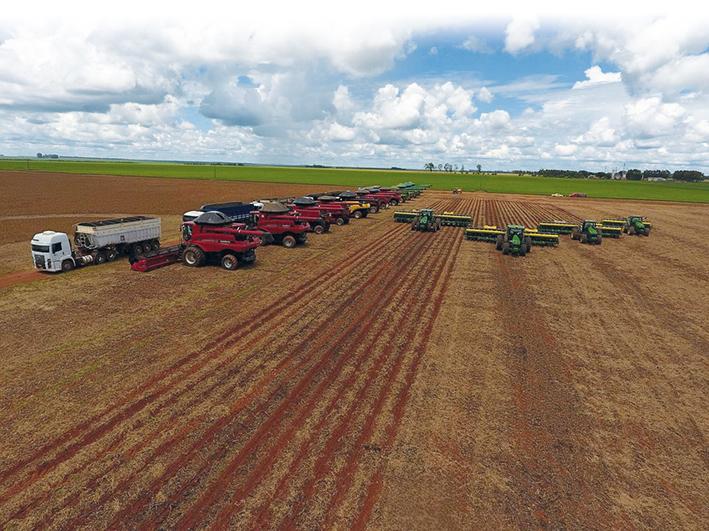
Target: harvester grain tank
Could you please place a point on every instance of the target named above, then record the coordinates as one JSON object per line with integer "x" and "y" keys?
{"x": 95, "y": 242}
{"x": 286, "y": 227}
{"x": 357, "y": 208}
{"x": 317, "y": 217}
{"x": 339, "y": 210}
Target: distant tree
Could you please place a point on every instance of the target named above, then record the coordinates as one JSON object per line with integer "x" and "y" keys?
{"x": 39, "y": 155}
{"x": 462, "y": 168}
{"x": 480, "y": 168}
{"x": 634, "y": 175}
{"x": 688, "y": 175}
{"x": 440, "y": 167}
{"x": 448, "y": 167}
{"x": 657, "y": 174}
{"x": 455, "y": 167}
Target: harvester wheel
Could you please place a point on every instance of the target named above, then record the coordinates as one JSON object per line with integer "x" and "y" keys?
{"x": 230, "y": 262}
{"x": 357, "y": 214}
{"x": 499, "y": 242}
{"x": 506, "y": 248}
{"x": 288, "y": 241}
{"x": 193, "y": 256}
{"x": 318, "y": 229}
{"x": 340, "y": 222}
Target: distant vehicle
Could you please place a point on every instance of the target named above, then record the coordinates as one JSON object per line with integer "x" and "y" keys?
{"x": 557, "y": 195}
{"x": 578, "y": 194}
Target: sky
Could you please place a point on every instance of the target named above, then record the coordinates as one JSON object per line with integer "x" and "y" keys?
{"x": 515, "y": 90}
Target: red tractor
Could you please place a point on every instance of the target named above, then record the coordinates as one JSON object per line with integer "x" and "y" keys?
{"x": 213, "y": 237}
{"x": 287, "y": 228}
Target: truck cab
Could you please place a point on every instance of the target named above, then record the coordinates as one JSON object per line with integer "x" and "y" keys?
{"x": 51, "y": 251}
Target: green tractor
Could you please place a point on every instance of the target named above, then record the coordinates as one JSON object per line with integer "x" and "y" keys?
{"x": 588, "y": 232}
{"x": 426, "y": 221}
{"x": 514, "y": 241}
{"x": 637, "y": 225}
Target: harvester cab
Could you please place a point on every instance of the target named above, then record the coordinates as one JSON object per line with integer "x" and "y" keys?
{"x": 426, "y": 221}
{"x": 588, "y": 232}
{"x": 637, "y": 225}
{"x": 514, "y": 241}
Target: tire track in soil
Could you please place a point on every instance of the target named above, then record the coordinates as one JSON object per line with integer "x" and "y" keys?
{"x": 320, "y": 364}
{"x": 392, "y": 352}
{"x": 137, "y": 406}
{"x": 555, "y": 482}
{"x": 202, "y": 396}
{"x": 346, "y": 478}
{"x": 262, "y": 520}
{"x": 272, "y": 310}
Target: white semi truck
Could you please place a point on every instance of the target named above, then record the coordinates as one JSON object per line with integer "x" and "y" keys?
{"x": 95, "y": 242}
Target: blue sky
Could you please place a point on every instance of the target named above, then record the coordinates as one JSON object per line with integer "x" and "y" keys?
{"x": 518, "y": 92}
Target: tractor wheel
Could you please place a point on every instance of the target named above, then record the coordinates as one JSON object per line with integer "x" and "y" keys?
{"x": 357, "y": 214}
{"x": 647, "y": 231}
{"x": 67, "y": 265}
{"x": 340, "y": 222}
{"x": 528, "y": 241}
{"x": 230, "y": 262}
{"x": 574, "y": 235}
{"x": 522, "y": 249}
{"x": 599, "y": 240}
{"x": 288, "y": 241}
{"x": 318, "y": 229}
{"x": 631, "y": 230}
{"x": 506, "y": 248}
{"x": 499, "y": 242}
{"x": 584, "y": 238}
{"x": 193, "y": 256}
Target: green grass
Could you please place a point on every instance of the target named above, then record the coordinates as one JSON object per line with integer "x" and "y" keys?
{"x": 513, "y": 184}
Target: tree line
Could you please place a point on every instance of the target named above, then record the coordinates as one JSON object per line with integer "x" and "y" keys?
{"x": 631, "y": 175}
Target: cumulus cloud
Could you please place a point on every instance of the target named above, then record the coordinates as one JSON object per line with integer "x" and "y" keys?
{"x": 485, "y": 95}
{"x": 599, "y": 134}
{"x": 475, "y": 44}
{"x": 650, "y": 117}
{"x": 596, "y": 76}
{"x": 564, "y": 150}
{"x": 519, "y": 34}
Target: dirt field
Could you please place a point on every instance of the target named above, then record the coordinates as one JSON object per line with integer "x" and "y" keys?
{"x": 377, "y": 378}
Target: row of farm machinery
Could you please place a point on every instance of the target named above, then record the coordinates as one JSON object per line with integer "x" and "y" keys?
{"x": 519, "y": 240}
{"x": 223, "y": 233}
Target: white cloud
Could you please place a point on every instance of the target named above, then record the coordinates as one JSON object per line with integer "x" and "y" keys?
{"x": 342, "y": 100}
{"x": 649, "y": 117}
{"x": 596, "y": 76}
{"x": 519, "y": 34}
{"x": 599, "y": 134}
{"x": 485, "y": 95}
{"x": 565, "y": 150}
{"x": 340, "y": 133}
{"x": 494, "y": 120}
{"x": 475, "y": 44}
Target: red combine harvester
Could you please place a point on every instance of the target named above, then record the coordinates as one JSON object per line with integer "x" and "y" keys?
{"x": 319, "y": 218}
{"x": 392, "y": 197}
{"x": 211, "y": 237}
{"x": 287, "y": 228}
{"x": 377, "y": 203}
{"x": 339, "y": 211}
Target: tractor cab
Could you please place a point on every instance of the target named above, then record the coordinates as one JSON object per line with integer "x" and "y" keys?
{"x": 426, "y": 221}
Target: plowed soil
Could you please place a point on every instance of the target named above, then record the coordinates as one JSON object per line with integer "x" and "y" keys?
{"x": 377, "y": 377}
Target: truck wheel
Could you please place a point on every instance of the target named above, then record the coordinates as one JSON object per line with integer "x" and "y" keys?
{"x": 67, "y": 265}
{"x": 156, "y": 245}
{"x": 289, "y": 241}
{"x": 100, "y": 258}
{"x": 147, "y": 247}
{"x": 357, "y": 214}
{"x": 230, "y": 262}
{"x": 193, "y": 256}
{"x": 340, "y": 221}
{"x": 374, "y": 209}
{"x": 112, "y": 255}
{"x": 137, "y": 249}
{"x": 318, "y": 229}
